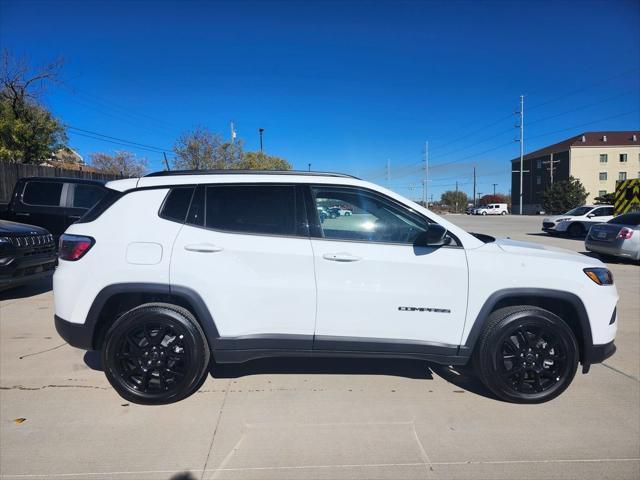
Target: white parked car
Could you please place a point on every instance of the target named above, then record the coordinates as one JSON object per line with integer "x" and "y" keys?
{"x": 492, "y": 209}
{"x": 174, "y": 268}
{"x": 576, "y": 222}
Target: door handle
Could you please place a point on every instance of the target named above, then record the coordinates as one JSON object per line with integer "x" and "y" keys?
{"x": 203, "y": 248}
{"x": 341, "y": 257}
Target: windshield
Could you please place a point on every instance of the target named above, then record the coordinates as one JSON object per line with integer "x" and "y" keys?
{"x": 579, "y": 211}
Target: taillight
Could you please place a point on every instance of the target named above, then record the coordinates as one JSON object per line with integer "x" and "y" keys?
{"x": 74, "y": 247}
{"x": 625, "y": 233}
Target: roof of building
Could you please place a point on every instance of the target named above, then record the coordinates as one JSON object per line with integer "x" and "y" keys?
{"x": 588, "y": 139}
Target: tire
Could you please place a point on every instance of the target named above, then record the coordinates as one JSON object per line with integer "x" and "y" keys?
{"x": 520, "y": 343}
{"x": 575, "y": 230}
{"x": 484, "y": 213}
{"x": 162, "y": 333}
{"x": 503, "y": 213}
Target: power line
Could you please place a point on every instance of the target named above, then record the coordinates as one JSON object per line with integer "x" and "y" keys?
{"x": 121, "y": 141}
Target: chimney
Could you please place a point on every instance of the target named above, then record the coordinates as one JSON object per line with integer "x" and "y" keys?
{"x": 604, "y": 138}
{"x": 584, "y": 138}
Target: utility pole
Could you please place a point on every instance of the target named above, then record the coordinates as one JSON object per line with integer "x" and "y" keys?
{"x": 456, "y": 210}
{"x": 521, "y": 150}
{"x": 474, "y": 186}
{"x": 233, "y": 134}
{"x": 426, "y": 173}
{"x": 261, "y": 131}
{"x": 551, "y": 162}
{"x": 388, "y": 175}
{"x": 479, "y": 195}
{"x": 494, "y": 189}
{"x": 309, "y": 167}
{"x": 166, "y": 162}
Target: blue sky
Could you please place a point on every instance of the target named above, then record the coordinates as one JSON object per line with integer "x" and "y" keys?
{"x": 345, "y": 86}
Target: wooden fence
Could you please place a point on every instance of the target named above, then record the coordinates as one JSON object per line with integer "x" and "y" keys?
{"x": 11, "y": 172}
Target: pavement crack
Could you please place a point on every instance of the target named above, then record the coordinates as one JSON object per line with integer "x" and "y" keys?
{"x": 621, "y": 372}
{"x": 43, "y": 387}
{"x": 215, "y": 430}
{"x": 43, "y": 351}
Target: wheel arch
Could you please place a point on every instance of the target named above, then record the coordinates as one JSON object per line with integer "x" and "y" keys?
{"x": 114, "y": 300}
{"x": 568, "y": 306}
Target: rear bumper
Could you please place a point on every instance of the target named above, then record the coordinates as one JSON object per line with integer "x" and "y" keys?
{"x": 77, "y": 335}
{"x": 597, "y": 354}
{"x": 611, "y": 248}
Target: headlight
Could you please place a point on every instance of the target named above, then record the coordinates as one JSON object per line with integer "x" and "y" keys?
{"x": 601, "y": 276}
{"x": 4, "y": 240}
{"x": 563, "y": 219}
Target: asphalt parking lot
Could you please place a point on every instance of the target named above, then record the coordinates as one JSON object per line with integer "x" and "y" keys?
{"x": 299, "y": 418}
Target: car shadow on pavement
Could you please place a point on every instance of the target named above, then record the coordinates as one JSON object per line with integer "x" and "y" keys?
{"x": 327, "y": 366}
{"x": 579, "y": 238}
{"x": 460, "y": 377}
{"x": 28, "y": 290}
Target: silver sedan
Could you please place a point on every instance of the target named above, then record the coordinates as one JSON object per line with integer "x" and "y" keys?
{"x": 619, "y": 237}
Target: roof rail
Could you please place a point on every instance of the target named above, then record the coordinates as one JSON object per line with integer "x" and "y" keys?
{"x": 169, "y": 173}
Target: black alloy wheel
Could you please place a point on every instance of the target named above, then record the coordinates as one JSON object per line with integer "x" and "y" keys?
{"x": 155, "y": 354}
{"x": 526, "y": 354}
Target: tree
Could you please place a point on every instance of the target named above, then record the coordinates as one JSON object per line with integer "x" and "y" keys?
{"x": 564, "y": 195}
{"x": 497, "y": 198}
{"x": 606, "y": 199}
{"x": 261, "y": 161}
{"x": 202, "y": 149}
{"x": 456, "y": 200}
{"x": 122, "y": 163}
{"x": 28, "y": 131}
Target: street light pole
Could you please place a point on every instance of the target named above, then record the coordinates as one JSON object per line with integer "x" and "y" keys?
{"x": 521, "y": 150}
{"x": 261, "y": 130}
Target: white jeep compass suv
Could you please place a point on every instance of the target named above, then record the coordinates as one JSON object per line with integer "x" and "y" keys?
{"x": 175, "y": 267}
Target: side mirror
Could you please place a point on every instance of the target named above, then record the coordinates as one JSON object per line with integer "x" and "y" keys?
{"x": 433, "y": 236}
{"x": 591, "y": 215}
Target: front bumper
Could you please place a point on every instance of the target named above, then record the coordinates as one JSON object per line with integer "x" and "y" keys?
{"x": 77, "y": 335}
{"x": 597, "y": 354}
{"x": 24, "y": 269}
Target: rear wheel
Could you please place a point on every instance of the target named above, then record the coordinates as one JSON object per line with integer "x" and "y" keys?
{"x": 155, "y": 354}
{"x": 575, "y": 230}
{"x": 484, "y": 213}
{"x": 503, "y": 213}
{"x": 526, "y": 354}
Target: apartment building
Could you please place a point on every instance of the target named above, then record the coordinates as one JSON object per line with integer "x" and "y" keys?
{"x": 597, "y": 159}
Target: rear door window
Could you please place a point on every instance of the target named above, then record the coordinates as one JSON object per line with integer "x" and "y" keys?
{"x": 257, "y": 209}
{"x": 45, "y": 194}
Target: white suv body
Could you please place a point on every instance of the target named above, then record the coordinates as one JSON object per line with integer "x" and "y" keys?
{"x": 392, "y": 279}
{"x": 578, "y": 220}
{"x": 493, "y": 209}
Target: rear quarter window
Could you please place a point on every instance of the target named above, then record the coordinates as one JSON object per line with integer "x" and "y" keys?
{"x": 86, "y": 196}
{"x": 176, "y": 205}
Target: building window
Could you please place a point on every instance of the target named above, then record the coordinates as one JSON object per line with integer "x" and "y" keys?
{"x": 538, "y": 180}
{"x": 622, "y": 175}
{"x": 539, "y": 164}
{"x": 603, "y": 176}
{"x": 604, "y": 158}
{"x": 602, "y": 193}
{"x": 623, "y": 158}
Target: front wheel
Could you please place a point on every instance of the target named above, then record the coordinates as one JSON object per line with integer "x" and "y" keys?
{"x": 575, "y": 230}
{"x": 484, "y": 213}
{"x": 155, "y": 354}
{"x": 526, "y": 354}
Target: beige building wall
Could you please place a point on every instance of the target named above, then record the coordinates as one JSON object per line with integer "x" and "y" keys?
{"x": 585, "y": 165}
